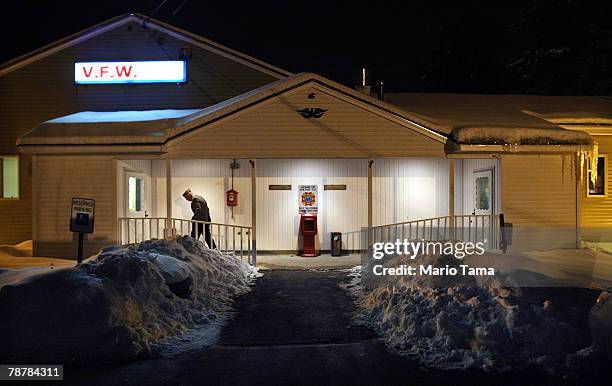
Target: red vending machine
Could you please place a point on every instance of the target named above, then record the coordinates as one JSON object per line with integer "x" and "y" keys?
{"x": 308, "y": 230}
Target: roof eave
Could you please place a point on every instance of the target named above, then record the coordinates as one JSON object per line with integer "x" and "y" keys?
{"x": 457, "y": 149}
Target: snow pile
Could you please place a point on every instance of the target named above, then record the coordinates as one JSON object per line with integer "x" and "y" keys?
{"x": 600, "y": 321}
{"x": 465, "y": 322}
{"x": 126, "y": 303}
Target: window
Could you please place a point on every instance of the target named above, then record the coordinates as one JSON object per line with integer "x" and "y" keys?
{"x": 600, "y": 187}
{"x": 9, "y": 177}
{"x": 135, "y": 194}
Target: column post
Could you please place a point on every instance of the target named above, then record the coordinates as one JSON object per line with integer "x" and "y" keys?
{"x": 253, "y": 212}
{"x": 370, "y": 235}
{"x": 451, "y": 197}
{"x": 579, "y": 185}
{"x": 370, "y": 193}
{"x": 169, "y": 228}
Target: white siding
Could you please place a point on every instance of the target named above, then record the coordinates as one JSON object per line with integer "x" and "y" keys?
{"x": 339, "y": 210}
{"x": 409, "y": 189}
{"x": 404, "y": 189}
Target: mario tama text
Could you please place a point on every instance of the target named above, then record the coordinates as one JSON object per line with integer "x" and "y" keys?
{"x": 412, "y": 250}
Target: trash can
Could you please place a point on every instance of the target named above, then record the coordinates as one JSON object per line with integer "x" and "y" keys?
{"x": 336, "y": 244}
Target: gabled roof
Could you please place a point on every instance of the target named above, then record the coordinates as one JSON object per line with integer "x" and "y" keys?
{"x": 160, "y": 127}
{"x": 118, "y": 21}
{"x": 454, "y": 120}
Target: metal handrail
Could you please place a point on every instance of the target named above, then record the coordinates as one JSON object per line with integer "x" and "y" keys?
{"x": 463, "y": 227}
{"x": 409, "y": 222}
{"x": 221, "y": 239}
{"x": 228, "y": 237}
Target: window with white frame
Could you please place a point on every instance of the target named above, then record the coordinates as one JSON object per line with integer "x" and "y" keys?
{"x": 9, "y": 177}
{"x": 135, "y": 194}
{"x": 600, "y": 187}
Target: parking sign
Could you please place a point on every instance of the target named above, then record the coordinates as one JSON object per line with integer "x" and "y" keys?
{"x": 82, "y": 218}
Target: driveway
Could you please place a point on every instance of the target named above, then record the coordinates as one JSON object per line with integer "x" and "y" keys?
{"x": 293, "y": 328}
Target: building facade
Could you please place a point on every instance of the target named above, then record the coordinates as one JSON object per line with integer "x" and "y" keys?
{"x": 237, "y": 123}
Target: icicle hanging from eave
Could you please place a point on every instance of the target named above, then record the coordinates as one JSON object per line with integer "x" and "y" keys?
{"x": 590, "y": 156}
{"x": 594, "y": 159}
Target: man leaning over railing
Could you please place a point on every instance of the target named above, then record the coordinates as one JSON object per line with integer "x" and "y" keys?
{"x": 200, "y": 210}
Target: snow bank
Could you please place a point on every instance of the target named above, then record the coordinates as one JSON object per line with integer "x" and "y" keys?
{"x": 126, "y": 303}
{"x": 467, "y": 322}
{"x": 600, "y": 321}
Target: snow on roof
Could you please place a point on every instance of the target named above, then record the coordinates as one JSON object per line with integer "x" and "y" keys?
{"x": 505, "y": 119}
{"x": 465, "y": 118}
{"x": 122, "y": 116}
{"x": 97, "y": 127}
{"x": 160, "y": 126}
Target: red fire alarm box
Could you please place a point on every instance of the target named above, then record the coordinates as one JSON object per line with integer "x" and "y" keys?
{"x": 231, "y": 197}
{"x": 308, "y": 230}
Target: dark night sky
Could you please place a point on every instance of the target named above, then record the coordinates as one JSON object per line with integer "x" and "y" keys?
{"x": 539, "y": 47}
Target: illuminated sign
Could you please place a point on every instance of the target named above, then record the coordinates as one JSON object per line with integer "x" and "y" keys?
{"x": 161, "y": 71}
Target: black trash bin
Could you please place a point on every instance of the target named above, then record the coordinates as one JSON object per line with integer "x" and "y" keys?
{"x": 336, "y": 244}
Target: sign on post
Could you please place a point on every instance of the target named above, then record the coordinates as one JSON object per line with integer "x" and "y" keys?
{"x": 308, "y": 200}
{"x": 82, "y": 220}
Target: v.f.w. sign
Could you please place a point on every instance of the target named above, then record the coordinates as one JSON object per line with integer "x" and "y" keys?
{"x": 160, "y": 71}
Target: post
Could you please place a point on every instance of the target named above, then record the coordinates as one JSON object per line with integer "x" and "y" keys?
{"x": 579, "y": 177}
{"x": 253, "y": 212}
{"x": 370, "y": 208}
{"x": 370, "y": 193}
{"x": 80, "y": 249}
{"x": 35, "y": 198}
{"x": 169, "y": 228}
{"x": 451, "y": 196}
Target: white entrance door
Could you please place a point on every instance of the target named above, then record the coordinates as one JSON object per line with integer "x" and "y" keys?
{"x": 136, "y": 203}
{"x": 481, "y": 228}
{"x": 484, "y": 192}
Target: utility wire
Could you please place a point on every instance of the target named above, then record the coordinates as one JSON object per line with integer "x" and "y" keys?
{"x": 161, "y": 4}
{"x": 178, "y": 8}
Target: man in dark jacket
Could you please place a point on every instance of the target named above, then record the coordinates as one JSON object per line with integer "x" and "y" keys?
{"x": 200, "y": 210}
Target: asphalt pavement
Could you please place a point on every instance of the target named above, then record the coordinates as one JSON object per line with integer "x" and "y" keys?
{"x": 294, "y": 328}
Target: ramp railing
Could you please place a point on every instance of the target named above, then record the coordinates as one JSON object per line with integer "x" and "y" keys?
{"x": 227, "y": 237}
{"x": 467, "y": 228}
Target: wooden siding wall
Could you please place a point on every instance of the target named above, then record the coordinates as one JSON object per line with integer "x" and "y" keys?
{"x": 274, "y": 129}
{"x": 45, "y": 89}
{"x": 404, "y": 189}
{"x": 60, "y": 179}
{"x": 539, "y": 199}
{"x": 464, "y": 183}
